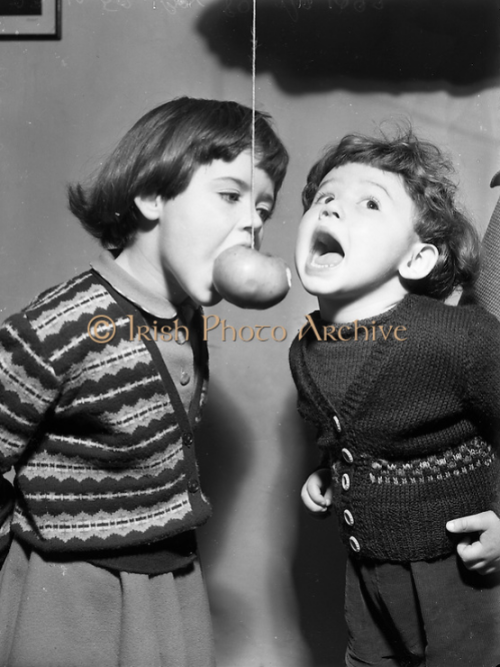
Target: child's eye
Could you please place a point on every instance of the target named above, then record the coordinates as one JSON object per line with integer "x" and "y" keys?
{"x": 372, "y": 204}
{"x": 324, "y": 198}
{"x": 264, "y": 214}
{"x": 231, "y": 197}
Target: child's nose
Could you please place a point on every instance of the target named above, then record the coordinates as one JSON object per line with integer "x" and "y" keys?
{"x": 253, "y": 221}
{"x": 330, "y": 209}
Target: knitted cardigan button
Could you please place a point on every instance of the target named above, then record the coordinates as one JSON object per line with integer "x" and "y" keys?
{"x": 347, "y": 455}
{"x": 193, "y": 486}
{"x": 180, "y": 337}
{"x": 354, "y": 544}
{"x": 188, "y": 439}
{"x": 346, "y": 482}
{"x": 348, "y": 518}
{"x": 336, "y": 421}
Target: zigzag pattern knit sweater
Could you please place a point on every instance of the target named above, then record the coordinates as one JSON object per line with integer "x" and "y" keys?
{"x": 410, "y": 446}
{"x": 102, "y": 445}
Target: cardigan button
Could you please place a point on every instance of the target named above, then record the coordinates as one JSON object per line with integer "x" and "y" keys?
{"x": 346, "y": 482}
{"x": 188, "y": 439}
{"x": 180, "y": 336}
{"x": 348, "y": 518}
{"x": 338, "y": 426}
{"x": 193, "y": 485}
{"x": 347, "y": 455}
{"x": 354, "y": 544}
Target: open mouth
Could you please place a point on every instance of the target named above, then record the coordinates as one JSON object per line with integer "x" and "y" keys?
{"x": 326, "y": 251}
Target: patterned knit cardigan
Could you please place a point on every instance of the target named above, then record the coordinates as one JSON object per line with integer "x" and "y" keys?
{"x": 410, "y": 445}
{"x": 101, "y": 444}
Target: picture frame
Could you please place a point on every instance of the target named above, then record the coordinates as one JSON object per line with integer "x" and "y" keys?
{"x": 30, "y": 19}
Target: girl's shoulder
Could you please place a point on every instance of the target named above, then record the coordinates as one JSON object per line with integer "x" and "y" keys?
{"x": 73, "y": 289}
{"x": 61, "y": 317}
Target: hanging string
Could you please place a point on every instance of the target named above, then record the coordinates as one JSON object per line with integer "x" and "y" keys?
{"x": 254, "y": 59}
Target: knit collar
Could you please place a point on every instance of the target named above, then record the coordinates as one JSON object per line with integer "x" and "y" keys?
{"x": 134, "y": 291}
{"x": 362, "y": 384}
{"x": 348, "y": 328}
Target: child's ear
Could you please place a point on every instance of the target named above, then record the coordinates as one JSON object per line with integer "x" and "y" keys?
{"x": 149, "y": 206}
{"x": 420, "y": 262}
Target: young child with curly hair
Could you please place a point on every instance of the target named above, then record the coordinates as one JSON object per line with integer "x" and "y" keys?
{"x": 405, "y": 393}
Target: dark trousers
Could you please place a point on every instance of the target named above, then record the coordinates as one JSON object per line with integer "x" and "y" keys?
{"x": 435, "y": 614}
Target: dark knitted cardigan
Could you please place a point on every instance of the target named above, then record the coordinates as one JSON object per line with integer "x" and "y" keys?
{"x": 411, "y": 444}
{"x": 102, "y": 445}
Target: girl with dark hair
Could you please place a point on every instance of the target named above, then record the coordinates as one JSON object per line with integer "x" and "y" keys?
{"x": 405, "y": 393}
{"x": 102, "y": 381}
{"x": 160, "y": 153}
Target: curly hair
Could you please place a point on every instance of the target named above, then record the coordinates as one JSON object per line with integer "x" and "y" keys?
{"x": 159, "y": 155}
{"x": 426, "y": 174}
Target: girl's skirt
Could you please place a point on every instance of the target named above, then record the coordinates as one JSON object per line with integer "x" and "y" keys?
{"x": 76, "y": 614}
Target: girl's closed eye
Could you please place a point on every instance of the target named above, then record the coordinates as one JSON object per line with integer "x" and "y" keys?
{"x": 231, "y": 196}
{"x": 264, "y": 213}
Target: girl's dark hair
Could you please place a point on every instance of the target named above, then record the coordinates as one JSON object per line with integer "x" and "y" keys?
{"x": 425, "y": 172}
{"x": 159, "y": 155}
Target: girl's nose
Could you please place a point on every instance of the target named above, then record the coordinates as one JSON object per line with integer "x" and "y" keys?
{"x": 254, "y": 225}
{"x": 253, "y": 221}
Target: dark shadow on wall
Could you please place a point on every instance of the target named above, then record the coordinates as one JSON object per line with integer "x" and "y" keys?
{"x": 315, "y": 45}
{"x": 224, "y": 459}
{"x": 318, "y": 559}
{"x": 318, "y": 567}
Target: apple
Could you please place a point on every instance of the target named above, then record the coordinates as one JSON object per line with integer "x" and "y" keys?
{"x": 250, "y": 279}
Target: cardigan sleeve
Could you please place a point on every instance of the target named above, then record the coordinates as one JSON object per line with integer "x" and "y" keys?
{"x": 483, "y": 372}
{"x": 28, "y": 389}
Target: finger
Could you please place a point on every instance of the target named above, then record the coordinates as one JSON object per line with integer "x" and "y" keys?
{"x": 315, "y": 491}
{"x": 469, "y": 524}
{"x": 471, "y": 553}
{"x": 328, "y": 496}
{"x": 316, "y": 510}
{"x": 484, "y": 566}
{"x": 310, "y": 502}
{"x": 480, "y": 567}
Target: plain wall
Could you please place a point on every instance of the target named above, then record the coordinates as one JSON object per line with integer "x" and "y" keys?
{"x": 324, "y": 67}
